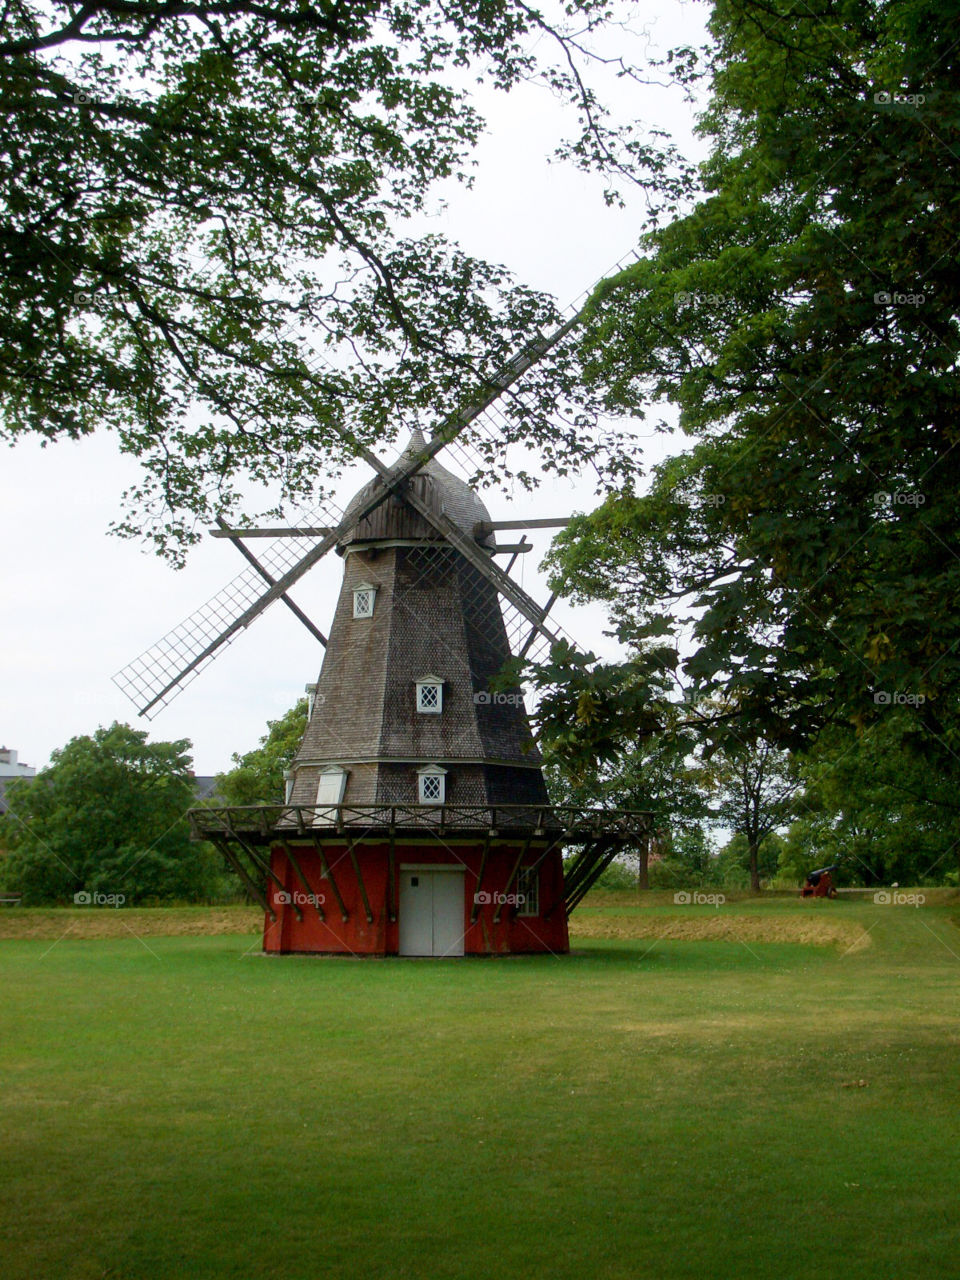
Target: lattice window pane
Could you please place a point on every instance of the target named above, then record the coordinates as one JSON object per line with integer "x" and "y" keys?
{"x": 431, "y": 788}
{"x": 363, "y": 603}
{"x": 430, "y": 698}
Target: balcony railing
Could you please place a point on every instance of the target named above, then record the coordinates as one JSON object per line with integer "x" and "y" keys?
{"x": 261, "y": 823}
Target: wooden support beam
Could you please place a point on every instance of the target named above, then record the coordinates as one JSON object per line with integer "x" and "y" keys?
{"x": 270, "y": 580}
{"x": 251, "y": 886}
{"x": 522, "y": 545}
{"x": 298, "y": 872}
{"x": 283, "y": 531}
{"x": 513, "y": 875}
{"x": 570, "y": 879}
{"x": 489, "y": 526}
{"x": 357, "y": 873}
{"x": 511, "y": 548}
{"x": 606, "y": 852}
{"x": 533, "y": 630}
{"x": 264, "y": 864}
{"x": 328, "y": 876}
{"x": 474, "y": 910}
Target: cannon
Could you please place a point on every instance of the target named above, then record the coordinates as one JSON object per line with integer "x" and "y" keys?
{"x": 820, "y": 884}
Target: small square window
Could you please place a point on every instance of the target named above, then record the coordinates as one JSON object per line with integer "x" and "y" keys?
{"x": 432, "y": 786}
{"x": 363, "y": 599}
{"x": 528, "y": 891}
{"x": 430, "y": 695}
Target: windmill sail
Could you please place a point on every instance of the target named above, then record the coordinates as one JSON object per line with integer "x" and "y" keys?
{"x": 153, "y": 679}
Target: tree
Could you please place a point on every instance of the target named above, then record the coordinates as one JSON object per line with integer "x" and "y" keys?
{"x": 733, "y": 861}
{"x": 202, "y": 234}
{"x": 688, "y": 859}
{"x": 756, "y": 792}
{"x": 871, "y": 803}
{"x": 611, "y": 736}
{"x": 107, "y": 817}
{"x": 803, "y": 317}
{"x": 258, "y": 776}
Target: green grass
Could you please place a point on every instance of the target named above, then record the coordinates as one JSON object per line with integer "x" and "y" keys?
{"x": 180, "y": 1106}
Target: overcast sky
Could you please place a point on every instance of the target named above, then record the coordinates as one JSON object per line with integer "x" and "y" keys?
{"x": 78, "y": 604}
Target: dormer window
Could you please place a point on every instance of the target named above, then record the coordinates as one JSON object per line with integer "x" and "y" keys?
{"x": 430, "y": 695}
{"x": 432, "y": 788}
{"x": 364, "y": 596}
{"x": 311, "y": 691}
{"x": 330, "y": 788}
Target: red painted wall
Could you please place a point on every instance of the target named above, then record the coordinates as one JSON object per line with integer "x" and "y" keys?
{"x": 513, "y": 934}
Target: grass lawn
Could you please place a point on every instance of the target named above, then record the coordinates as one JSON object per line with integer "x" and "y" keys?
{"x": 772, "y": 1091}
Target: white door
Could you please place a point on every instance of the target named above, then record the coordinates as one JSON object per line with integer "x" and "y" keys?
{"x": 431, "y": 913}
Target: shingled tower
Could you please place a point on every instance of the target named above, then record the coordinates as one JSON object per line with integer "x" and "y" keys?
{"x": 405, "y": 701}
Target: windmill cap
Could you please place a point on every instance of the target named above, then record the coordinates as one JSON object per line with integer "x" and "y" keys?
{"x": 395, "y": 519}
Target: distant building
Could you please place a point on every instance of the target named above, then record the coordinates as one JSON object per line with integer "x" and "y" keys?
{"x": 10, "y": 768}
{"x": 205, "y": 786}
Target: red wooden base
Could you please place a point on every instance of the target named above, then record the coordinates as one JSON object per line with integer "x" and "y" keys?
{"x": 337, "y": 878}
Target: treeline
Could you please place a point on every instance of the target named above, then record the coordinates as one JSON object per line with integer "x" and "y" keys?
{"x": 758, "y": 817}
{"x": 105, "y": 823}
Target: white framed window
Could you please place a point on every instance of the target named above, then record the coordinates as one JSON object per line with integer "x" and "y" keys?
{"x": 430, "y": 695}
{"x": 432, "y": 784}
{"x": 364, "y": 595}
{"x": 330, "y": 788}
{"x": 528, "y": 889}
{"x": 287, "y": 785}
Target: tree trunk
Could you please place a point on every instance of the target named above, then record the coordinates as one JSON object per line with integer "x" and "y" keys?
{"x": 754, "y": 850}
{"x": 643, "y": 867}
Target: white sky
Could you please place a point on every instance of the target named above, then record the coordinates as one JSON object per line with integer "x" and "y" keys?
{"x": 77, "y": 604}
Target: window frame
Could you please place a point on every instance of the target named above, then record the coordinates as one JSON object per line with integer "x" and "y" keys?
{"x": 326, "y": 807}
{"x": 433, "y": 771}
{"x": 364, "y": 588}
{"x": 528, "y": 907}
{"x": 429, "y": 682}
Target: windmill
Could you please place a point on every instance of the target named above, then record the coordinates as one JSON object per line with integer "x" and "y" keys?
{"x": 416, "y": 805}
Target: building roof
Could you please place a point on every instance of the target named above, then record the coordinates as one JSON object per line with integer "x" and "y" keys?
{"x": 443, "y": 491}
